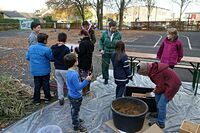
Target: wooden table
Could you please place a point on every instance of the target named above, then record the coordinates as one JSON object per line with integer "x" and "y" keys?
{"x": 190, "y": 61}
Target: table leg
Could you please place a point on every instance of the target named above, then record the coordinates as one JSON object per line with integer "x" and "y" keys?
{"x": 197, "y": 79}
{"x": 132, "y": 65}
{"x": 194, "y": 79}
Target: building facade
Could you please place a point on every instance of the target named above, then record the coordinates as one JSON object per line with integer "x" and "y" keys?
{"x": 139, "y": 14}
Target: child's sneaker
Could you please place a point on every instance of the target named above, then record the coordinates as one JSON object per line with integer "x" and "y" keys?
{"x": 158, "y": 124}
{"x": 46, "y": 101}
{"x": 81, "y": 121}
{"x": 81, "y": 129}
{"x": 61, "y": 101}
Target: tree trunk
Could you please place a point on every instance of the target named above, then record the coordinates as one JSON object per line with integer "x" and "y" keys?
{"x": 99, "y": 11}
{"x": 180, "y": 15}
{"x": 98, "y": 14}
{"x": 148, "y": 16}
{"x": 148, "y": 21}
{"x": 121, "y": 14}
{"x": 81, "y": 10}
{"x": 101, "y": 14}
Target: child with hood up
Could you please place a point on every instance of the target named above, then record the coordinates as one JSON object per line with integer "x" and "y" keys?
{"x": 167, "y": 85}
{"x": 171, "y": 50}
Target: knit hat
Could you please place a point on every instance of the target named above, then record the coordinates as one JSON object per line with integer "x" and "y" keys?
{"x": 142, "y": 69}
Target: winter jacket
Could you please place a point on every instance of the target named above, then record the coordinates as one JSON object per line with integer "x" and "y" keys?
{"x": 92, "y": 36}
{"x": 59, "y": 52}
{"x": 165, "y": 79}
{"x": 39, "y": 56}
{"x": 108, "y": 41}
{"x": 170, "y": 52}
{"x": 74, "y": 86}
{"x": 122, "y": 72}
{"x": 84, "y": 52}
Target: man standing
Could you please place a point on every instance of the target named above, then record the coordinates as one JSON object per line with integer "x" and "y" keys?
{"x": 32, "y": 39}
{"x": 107, "y": 44}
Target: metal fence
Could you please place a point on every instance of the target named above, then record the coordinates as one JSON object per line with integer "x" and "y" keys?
{"x": 163, "y": 25}
{"x": 153, "y": 25}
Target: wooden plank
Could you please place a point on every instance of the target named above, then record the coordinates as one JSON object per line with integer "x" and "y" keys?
{"x": 184, "y": 66}
{"x": 153, "y": 56}
{"x": 112, "y": 126}
{"x": 188, "y": 127}
{"x": 139, "y": 95}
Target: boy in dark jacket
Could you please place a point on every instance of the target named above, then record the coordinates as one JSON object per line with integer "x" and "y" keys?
{"x": 59, "y": 51}
{"x": 84, "y": 52}
{"x": 122, "y": 72}
{"x": 167, "y": 85}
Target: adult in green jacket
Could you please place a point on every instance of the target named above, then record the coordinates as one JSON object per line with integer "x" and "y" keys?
{"x": 107, "y": 44}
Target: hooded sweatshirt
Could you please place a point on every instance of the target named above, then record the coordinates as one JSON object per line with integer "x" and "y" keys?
{"x": 165, "y": 79}
{"x": 59, "y": 51}
{"x": 170, "y": 52}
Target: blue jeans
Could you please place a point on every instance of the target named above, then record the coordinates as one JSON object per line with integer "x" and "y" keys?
{"x": 120, "y": 90}
{"x": 41, "y": 81}
{"x": 161, "y": 102}
{"x": 75, "y": 105}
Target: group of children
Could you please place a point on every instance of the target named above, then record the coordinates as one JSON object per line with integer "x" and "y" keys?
{"x": 65, "y": 62}
{"x": 112, "y": 48}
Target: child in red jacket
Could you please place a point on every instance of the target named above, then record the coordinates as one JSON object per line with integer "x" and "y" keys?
{"x": 171, "y": 50}
{"x": 167, "y": 85}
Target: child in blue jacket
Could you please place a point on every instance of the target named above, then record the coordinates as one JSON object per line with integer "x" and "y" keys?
{"x": 75, "y": 88}
{"x": 39, "y": 57}
{"x": 122, "y": 72}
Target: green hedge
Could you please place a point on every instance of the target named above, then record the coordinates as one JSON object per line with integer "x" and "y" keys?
{"x": 9, "y": 21}
{"x": 9, "y": 24}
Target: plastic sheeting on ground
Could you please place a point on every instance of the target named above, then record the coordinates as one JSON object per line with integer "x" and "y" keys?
{"x": 96, "y": 109}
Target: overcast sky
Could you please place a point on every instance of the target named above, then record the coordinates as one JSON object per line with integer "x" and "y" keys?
{"x": 22, "y": 5}
{"x": 32, "y": 5}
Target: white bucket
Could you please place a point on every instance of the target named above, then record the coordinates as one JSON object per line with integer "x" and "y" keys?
{"x": 50, "y": 129}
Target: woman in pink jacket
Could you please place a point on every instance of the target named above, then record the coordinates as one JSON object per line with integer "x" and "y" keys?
{"x": 167, "y": 85}
{"x": 171, "y": 50}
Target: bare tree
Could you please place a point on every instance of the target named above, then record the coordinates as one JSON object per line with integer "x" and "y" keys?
{"x": 183, "y": 4}
{"x": 79, "y": 4}
{"x": 98, "y": 5}
{"x": 121, "y": 5}
{"x": 150, "y": 5}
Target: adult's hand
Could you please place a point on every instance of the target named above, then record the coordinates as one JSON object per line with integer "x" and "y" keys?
{"x": 102, "y": 51}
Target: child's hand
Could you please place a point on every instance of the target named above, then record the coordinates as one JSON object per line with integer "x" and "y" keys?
{"x": 89, "y": 78}
{"x": 130, "y": 78}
